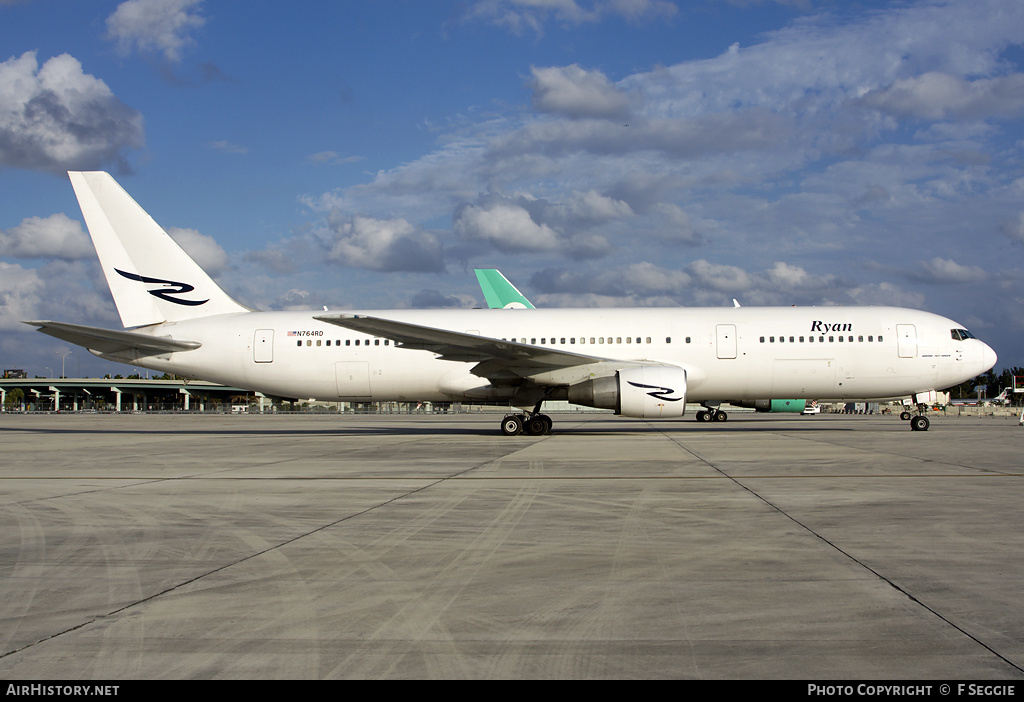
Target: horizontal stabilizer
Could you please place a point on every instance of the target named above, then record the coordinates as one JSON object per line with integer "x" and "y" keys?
{"x": 108, "y": 341}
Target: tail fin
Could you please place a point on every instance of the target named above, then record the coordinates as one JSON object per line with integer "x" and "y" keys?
{"x": 151, "y": 278}
{"x": 499, "y": 292}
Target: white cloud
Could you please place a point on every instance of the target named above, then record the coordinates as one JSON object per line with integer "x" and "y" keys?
{"x": 577, "y": 93}
{"x": 506, "y": 225}
{"x": 19, "y": 295}
{"x": 228, "y": 148}
{"x": 380, "y": 244}
{"x": 718, "y": 277}
{"x": 57, "y": 118}
{"x": 56, "y": 236}
{"x": 203, "y": 249}
{"x": 1014, "y": 228}
{"x": 62, "y": 290}
{"x": 163, "y": 26}
{"x": 938, "y": 96}
{"x": 521, "y": 15}
{"x": 942, "y": 271}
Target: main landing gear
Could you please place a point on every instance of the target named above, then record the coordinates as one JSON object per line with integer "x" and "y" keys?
{"x": 712, "y": 414}
{"x": 918, "y": 422}
{"x": 532, "y": 424}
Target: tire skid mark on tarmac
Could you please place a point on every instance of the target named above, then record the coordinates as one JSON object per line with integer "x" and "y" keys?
{"x": 740, "y": 482}
{"x": 427, "y": 483}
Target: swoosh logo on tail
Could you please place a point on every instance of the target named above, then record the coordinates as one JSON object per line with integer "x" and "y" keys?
{"x": 165, "y": 294}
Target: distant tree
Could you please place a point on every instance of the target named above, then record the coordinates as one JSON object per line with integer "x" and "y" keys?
{"x": 14, "y": 397}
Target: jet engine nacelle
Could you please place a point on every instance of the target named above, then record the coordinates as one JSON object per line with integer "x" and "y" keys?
{"x": 772, "y": 405}
{"x": 648, "y": 392}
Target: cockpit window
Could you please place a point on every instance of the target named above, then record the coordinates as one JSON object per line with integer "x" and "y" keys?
{"x": 961, "y": 334}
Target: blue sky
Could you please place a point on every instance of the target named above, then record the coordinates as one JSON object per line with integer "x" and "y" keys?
{"x": 599, "y": 152}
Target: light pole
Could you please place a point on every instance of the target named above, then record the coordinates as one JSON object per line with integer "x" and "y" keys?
{"x": 62, "y": 361}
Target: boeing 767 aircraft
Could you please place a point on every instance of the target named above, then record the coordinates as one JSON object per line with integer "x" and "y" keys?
{"x": 639, "y": 362}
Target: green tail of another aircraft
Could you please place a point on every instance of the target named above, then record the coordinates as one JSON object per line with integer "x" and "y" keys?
{"x": 498, "y": 292}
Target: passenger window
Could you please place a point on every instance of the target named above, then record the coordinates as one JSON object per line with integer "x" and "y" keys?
{"x": 299, "y": 342}
{"x": 668, "y": 339}
{"x": 648, "y": 340}
{"x": 688, "y": 340}
{"x": 318, "y": 342}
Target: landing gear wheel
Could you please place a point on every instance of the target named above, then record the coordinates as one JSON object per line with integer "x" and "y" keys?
{"x": 512, "y": 425}
{"x": 537, "y": 425}
{"x": 905, "y": 416}
{"x": 705, "y": 416}
{"x": 721, "y": 416}
{"x": 919, "y": 423}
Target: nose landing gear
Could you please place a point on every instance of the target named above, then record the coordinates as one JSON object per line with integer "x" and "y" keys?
{"x": 918, "y": 422}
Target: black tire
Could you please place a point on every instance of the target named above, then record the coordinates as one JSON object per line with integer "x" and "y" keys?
{"x": 905, "y": 416}
{"x": 535, "y": 426}
{"x": 919, "y": 423}
{"x": 721, "y": 416}
{"x": 512, "y": 425}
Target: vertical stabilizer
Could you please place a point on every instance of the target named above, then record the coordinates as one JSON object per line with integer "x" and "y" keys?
{"x": 499, "y": 292}
{"x": 151, "y": 278}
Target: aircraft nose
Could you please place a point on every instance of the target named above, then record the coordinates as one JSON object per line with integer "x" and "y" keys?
{"x": 988, "y": 356}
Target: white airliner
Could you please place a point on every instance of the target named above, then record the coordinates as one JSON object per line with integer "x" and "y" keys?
{"x": 639, "y": 362}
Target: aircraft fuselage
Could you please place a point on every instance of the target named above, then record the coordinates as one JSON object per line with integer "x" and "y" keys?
{"x": 828, "y": 353}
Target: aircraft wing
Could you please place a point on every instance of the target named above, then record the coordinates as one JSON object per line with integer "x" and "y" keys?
{"x": 459, "y": 346}
{"x": 110, "y": 341}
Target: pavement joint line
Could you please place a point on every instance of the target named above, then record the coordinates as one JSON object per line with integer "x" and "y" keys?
{"x": 257, "y": 554}
{"x": 893, "y": 584}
